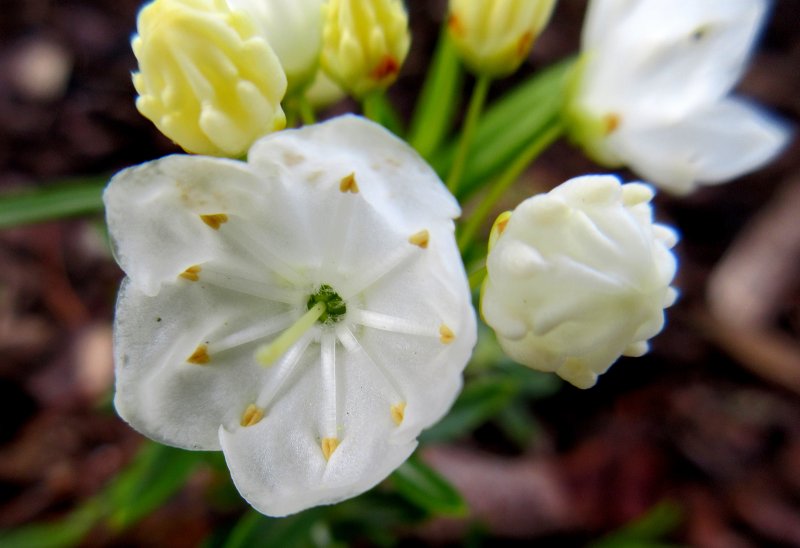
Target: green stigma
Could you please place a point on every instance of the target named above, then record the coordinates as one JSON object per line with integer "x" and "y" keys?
{"x": 335, "y": 307}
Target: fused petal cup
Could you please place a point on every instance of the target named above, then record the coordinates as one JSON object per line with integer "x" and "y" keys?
{"x": 224, "y": 258}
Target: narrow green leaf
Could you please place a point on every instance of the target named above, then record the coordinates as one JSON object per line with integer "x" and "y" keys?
{"x": 646, "y": 531}
{"x": 63, "y": 533}
{"x": 438, "y": 100}
{"x": 297, "y": 530}
{"x": 480, "y": 401}
{"x": 53, "y": 202}
{"x": 518, "y": 423}
{"x": 156, "y": 474}
{"x": 508, "y": 125}
{"x": 426, "y": 488}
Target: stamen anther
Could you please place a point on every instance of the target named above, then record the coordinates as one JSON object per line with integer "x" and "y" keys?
{"x": 446, "y": 334}
{"x": 214, "y": 220}
{"x": 348, "y": 184}
{"x": 398, "y": 412}
{"x": 191, "y": 273}
{"x": 252, "y": 415}
{"x": 200, "y": 356}
{"x": 329, "y": 445}
{"x": 420, "y": 238}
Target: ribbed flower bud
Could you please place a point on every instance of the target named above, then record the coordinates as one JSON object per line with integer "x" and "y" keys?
{"x": 364, "y": 43}
{"x": 578, "y": 277}
{"x": 495, "y": 36}
{"x": 207, "y": 78}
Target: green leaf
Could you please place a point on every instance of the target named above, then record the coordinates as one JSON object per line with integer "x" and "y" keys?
{"x": 508, "y": 125}
{"x": 56, "y": 201}
{"x": 438, "y": 99}
{"x": 63, "y": 533}
{"x": 297, "y": 531}
{"x": 156, "y": 474}
{"x": 519, "y": 424}
{"x": 427, "y": 489}
{"x": 480, "y": 401}
{"x": 646, "y": 531}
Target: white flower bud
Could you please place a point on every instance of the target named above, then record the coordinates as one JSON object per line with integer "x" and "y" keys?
{"x": 578, "y": 277}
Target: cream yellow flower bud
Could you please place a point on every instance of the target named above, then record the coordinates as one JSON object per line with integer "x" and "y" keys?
{"x": 364, "y": 43}
{"x": 207, "y": 78}
{"x": 495, "y": 36}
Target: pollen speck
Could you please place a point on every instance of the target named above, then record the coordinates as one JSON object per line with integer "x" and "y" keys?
{"x": 252, "y": 415}
{"x": 329, "y": 445}
{"x": 398, "y": 412}
{"x": 446, "y": 334}
{"x": 200, "y": 356}
{"x": 420, "y": 239}
{"x": 454, "y": 23}
{"x": 215, "y": 220}
{"x": 348, "y": 184}
{"x": 524, "y": 43}
{"x": 612, "y": 122}
{"x": 191, "y": 273}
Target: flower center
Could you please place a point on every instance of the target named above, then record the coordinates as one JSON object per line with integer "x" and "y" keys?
{"x": 335, "y": 307}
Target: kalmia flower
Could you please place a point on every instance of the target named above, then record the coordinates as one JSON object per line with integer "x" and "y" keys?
{"x": 306, "y": 311}
{"x": 651, "y": 91}
{"x": 578, "y": 277}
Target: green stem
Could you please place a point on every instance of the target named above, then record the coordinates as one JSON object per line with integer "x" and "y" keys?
{"x": 506, "y": 179}
{"x": 476, "y": 277}
{"x": 306, "y": 110}
{"x": 371, "y": 106}
{"x": 476, "y": 102}
{"x": 56, "y": 201}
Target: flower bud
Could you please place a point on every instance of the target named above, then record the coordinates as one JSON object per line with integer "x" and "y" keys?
{"x": 495, "y": 36}
{"x": 293, "y": 29}
{"x": 364, "y": 43}
{"x": 578, "y": 277}
{"x": 207, "y": 78}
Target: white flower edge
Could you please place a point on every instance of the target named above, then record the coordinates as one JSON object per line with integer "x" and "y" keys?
{"x": 578, "y": 277}
{"x": 371, "y": 383}
{"x": 681, "y": 60}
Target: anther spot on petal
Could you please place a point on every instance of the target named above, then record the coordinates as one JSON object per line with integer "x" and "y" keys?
{"x": 215, "y": 220}
{"x": 420, "y": 239}
{"x": 199, "y": 356}
{"x": 446, "y": 335}
{"x": 252, "y": 415}
{"x": 329, "y": 445}
{"x": 192, "y": 273}
{"x": 611, "y": 123}
{"x": 348, "y": 184}
{"x": 398, "y": 412}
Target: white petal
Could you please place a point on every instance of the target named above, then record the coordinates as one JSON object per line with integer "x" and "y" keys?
{"x": 389, "y": 173}
{"x": 157, "y": 391}
{"x": 722, "y": 142}
{"x": 154, "y": 213}
{"x": 678, "y": 55}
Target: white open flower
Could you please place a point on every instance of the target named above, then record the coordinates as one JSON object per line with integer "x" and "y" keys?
{"x": 652, "y": 89}
{"x": 306, "y": 312}
{"x": 579, "y": 276}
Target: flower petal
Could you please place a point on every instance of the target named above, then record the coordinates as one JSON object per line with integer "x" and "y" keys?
{"x": 170, "y": 384}
{"x": 162, "y": 214}
{"x": 722, "y": 142}
{"x": 678, "y": 55}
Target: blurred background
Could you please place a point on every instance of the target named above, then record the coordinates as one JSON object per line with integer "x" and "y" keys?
{"x": 696, "y": 443}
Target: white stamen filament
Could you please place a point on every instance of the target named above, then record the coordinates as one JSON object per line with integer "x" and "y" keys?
{"x": 254, "y": 288}
{"x": 257, "y": 330}
{"x": 260, "y": 250}
{"x": 379, "y": 269}
{"x": 352, "y": 345}
{"x": 283, "y": 370}
{"x": 385, "y": 322}
{"x": 328, "y": 355}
